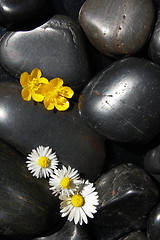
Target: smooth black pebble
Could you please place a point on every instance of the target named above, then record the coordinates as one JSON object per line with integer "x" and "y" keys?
{"x": 27, "y": 205}
{"x": 21, "y": 15}
{"x": 26, "y": 126}
{"x": 70, "y": 231}
{"x": 57, "y": 48}
{"x": 120, "y": 27}
{"x": 122, "y": 102}
{"x": 154, "y": 224}
{"x": 126, "y": 197}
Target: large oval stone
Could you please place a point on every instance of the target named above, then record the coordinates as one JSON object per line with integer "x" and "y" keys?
{"x": 127, "y": 195}
{"x": 122, "y": 102}
{"x": 20, "y": 15}
{"x": 70, "y": 231}
{"x": 117, "y": 27}
{"x": 27, "y": 205}
{"x": 26, "y": 126}
{"x": 56, "y": 47}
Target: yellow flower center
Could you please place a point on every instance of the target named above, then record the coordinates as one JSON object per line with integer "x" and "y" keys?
{"x": 77, "y": 200}
{"x": 43, "y": 162}
{"x": 65, "y": 182}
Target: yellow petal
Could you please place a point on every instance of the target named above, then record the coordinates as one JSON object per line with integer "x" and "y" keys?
{"x": 56, "y": 82}
{"x": 26, "y": 95}
{"x": 66, "y": 92}
{"x": 49, "y": 105}
{"x": 37, "y": 96}
{"x": 62, "y": 104}
{"x": 43, "y": 80}
{"x": 36, "y": 73}
{"x": 44, "y": 89}
{"x": 24, "y": 79}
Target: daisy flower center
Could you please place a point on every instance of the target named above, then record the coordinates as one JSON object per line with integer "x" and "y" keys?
{"x": 43, "y": 162}
{"x": 65, "y": 182}
{"x": 77, "y": 200}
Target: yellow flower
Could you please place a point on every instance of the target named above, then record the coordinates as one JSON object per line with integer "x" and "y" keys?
{"x": 55, "y": 95}
{"x": 31, "y": 85}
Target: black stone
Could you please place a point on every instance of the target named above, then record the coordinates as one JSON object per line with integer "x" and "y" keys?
{"x": 122, "y": 102}
{"x": 68, "y": 232}
{"x": 27, "y": 205}
{"x": 154, "y": 224}
{"x": 137, "y": 235}
{"x": 154, "y": 46}
{"x": 152, "y": 160}
{"x": 127, "y": 195}
{"x": 21, "y": 15}
{"x": 26, "y": 126}
{"x": 56, "y": 47}
{"x": 117, "y": 27}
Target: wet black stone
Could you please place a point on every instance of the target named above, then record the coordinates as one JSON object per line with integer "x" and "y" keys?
{"x": 152, "y": 160}
{"x": 26, "y": 126}
{"x": 154, "y": 46}
{"x": 122, "y": 102}
{"x": 27, "y": 206}
{"x": 137, "y": 235}
{"x": 154, "y": 224}
{"x": 107, "y": 233}
{"x": 127, "y": 195}
{"x": 117, "y": 27}
{"x": 68, "y": 232}
{"x": 20, "y": 15}
{"x": 56, "y": 47}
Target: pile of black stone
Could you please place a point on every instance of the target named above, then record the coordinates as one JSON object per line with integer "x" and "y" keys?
{"x": 108, "y": 52}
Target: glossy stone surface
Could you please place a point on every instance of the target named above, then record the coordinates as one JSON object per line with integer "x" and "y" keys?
{"x": 152, "y": 160}
{"x": 20, "y": 15}
{"x": 57, "y": 48}
{"x": 154, "y": 224}
{"x": 137, "y": 235}
{"x": 122, "y": 102}
{"x": 127, "y": 195}
{"x": 27, "y": 206}
{"x": 120, "y": 27}
{"x": 26, "y": 126}
{"x": 154, "y": 46}
{"x": 70, "y": 231}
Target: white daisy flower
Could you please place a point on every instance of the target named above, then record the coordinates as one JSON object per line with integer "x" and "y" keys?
{"x": 80, "y": 205}
{"x": 64, "y": 181}
{"x": 42, "y": 161}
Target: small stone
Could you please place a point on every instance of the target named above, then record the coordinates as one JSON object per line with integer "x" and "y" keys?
{"x": 21, "y": 15}
{"x": 27, "y": 205}
{"x": 154, "y": 224}
{"x": 127, "y": 195}
{"x": 56, "y": 48}
{"x": 119, "y": 27}
{"x": 25, "y": 126}
{"x": 122, "y": 102}
{"x": 70, "y": 231}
